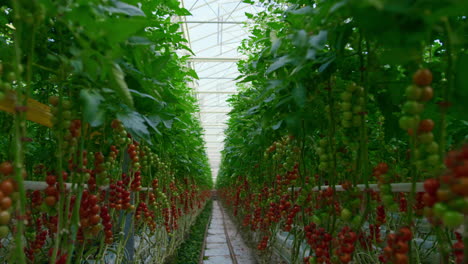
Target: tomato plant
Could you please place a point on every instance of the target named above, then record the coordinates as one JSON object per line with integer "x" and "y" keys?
{"x": 355, "y": 106}
{"x": 116, "y": 151}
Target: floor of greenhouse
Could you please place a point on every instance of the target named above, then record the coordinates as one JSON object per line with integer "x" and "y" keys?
{"x": 224, "y": 244}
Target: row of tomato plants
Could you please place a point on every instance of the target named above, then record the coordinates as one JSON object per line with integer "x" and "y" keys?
{"x": 331, "y": 99}
{"x": 124, "y": 157}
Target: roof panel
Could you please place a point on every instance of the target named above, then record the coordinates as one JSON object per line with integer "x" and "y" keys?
{"x": 215, "y": 30}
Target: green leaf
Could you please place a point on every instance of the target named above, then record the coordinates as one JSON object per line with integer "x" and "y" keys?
{"x": 120, "y": 86}
{"x": 277, "y": 125}
{"x": 91, "y": 111}
{"x": 280, "y": 62}
{"x": 299, "y": 94}
{"x": 123, "y": 8}
{"x": 135, "y": 124}
{"x": 143, "y": 95}
{"x": 168, "y": 123}
{"x": 153, "y": 122}
{"x": 318, "y": 41}
{"x": 182, "y": 12}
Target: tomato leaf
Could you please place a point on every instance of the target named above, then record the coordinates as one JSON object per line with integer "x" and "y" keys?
{"x": 120, "y": 86}
{"x": 91, "y": 107}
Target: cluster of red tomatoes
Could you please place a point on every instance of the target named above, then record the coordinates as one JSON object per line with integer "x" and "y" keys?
{"x": 7, "y": 187}
{"x": 397, "y": 247}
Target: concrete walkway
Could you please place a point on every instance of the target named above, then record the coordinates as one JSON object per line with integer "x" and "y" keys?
{"x": 217, "y": 248}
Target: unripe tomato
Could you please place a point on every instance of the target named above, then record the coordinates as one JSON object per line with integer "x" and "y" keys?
{"x": 426, "y": 138}
{"x": 432, "y": 147}
{"x": 345, "y": 214}
{"x": 413, "y": 92}
{"x": 4, "y": 217}
{"x": 452, "y": 219}
{"x": 439, "y": 209}
{"x": 346, "y": 96}
{"x": 4, "y": 231}
{"x": 413, "y": 108}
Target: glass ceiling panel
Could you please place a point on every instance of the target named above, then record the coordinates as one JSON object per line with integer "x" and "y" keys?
{"x": 215, "y": 30}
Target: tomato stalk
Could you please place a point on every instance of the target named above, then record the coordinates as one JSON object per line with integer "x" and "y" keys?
{"x": 20, "y": 126}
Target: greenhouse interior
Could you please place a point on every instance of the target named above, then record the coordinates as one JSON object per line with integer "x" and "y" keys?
{"x": 234, "y": 132}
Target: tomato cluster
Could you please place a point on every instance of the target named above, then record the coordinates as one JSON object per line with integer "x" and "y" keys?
{"x": 397, "y": 247}
{"x": 320, "y": 242}
{"x": 7, "y": 188}
{"x": 107, "y": 223}
{"x": 446, "y": 195}
{"x": 344, "y": 244}
{"x": 352, "y": 106}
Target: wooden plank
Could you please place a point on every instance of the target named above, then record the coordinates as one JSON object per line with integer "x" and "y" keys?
{"x": 36, "y": 111}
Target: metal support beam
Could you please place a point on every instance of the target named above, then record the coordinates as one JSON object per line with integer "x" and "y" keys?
{"x": 216, "y": 92}
{"x": 214, "y": 22}
{"x": 213, "y": 59}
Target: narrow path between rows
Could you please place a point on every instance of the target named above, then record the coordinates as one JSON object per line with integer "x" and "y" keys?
{"x": 224, "y": 244}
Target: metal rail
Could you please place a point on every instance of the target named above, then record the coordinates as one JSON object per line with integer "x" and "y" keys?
{"x": 202, "y": 254}
{"x": 228, "y": 240}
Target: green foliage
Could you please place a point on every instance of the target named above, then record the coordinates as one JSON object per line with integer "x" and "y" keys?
{"x": 299, "y": 53}
{"x": 119, "y": 58}
{"x": 189, "y": 251}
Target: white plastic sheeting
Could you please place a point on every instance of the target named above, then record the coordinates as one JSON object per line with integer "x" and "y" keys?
{"x": 214, "y": 31}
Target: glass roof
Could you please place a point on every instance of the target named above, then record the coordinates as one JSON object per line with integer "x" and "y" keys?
{"x": 214, "y": 31}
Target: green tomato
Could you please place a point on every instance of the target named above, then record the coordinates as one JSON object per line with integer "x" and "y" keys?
{"x": 357, "y": 109}
{"x": 346, "y": 123}
{"x": 356, "y": 220}
{"x": 351, "y": 87}
{"x": 319, "y": 150}
{"x": 452, "y": 219}
{"x": 345, "y": 214}
{"x": 412, "y": 108}
{"x": 347, "y": 115}
{"x": 345, "y": 106}
{"x": 426, "y": 138}
{"x": 4, "y": 231}
{"x": 432, "y": 147}
{"x": 387, "y": 199}
{"x": 4, "y": 217}
{"x": 413, "y": 92}
{"x": 439, "y": 209}
{"x": 346, "y": 96}
{"x": 433, "y": 160}
{"x": 407, "y": 122}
